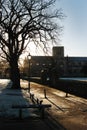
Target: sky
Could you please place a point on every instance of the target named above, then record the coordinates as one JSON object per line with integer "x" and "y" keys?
{"x": 74, "y": 36}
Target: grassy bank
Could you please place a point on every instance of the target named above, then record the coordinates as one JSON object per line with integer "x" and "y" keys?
{"x": 78, "y": 88}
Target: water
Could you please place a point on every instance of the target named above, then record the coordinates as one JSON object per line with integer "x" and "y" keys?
{"x": 75, "y": 78}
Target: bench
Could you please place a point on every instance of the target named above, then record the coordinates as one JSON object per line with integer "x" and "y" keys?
{"x": 41, "y": 108}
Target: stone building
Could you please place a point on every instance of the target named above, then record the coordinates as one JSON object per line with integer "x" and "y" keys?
{"x": 64, "y": 66}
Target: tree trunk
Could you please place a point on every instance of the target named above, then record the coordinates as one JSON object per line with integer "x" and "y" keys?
{"x": 15, "y": 74}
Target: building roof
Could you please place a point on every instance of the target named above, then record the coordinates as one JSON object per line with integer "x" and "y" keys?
{"x": 77, "y": 58}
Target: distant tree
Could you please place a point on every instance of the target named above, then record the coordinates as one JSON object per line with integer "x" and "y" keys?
{"x": 25, "y": 67}
{"x": 3, "y": 68}
{"x": 22, "y": 22}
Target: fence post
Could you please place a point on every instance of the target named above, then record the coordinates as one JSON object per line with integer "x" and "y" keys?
{"x": 45, "y": 93}
{"x": 66, "y": 94}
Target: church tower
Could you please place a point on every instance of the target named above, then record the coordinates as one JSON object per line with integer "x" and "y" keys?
{"x": 58, "y": 51}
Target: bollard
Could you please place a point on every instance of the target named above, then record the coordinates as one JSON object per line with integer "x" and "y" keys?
{"x": 41, "y": 102}
{"x": 45, "y": 93}
{"x": 37, "y": 101}
{"x": 66, "y": 94}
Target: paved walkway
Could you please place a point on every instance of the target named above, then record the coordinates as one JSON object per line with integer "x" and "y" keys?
{"x": 70, "y": 110}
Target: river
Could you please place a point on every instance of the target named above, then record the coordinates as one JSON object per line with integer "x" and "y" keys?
{"x": 76, "y": 78}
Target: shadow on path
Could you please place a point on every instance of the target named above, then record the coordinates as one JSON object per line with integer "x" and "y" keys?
{"x": 10, "y": 97}
{"x": 55, "y": 104}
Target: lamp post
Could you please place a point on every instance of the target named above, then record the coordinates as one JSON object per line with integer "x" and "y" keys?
{"x": 29, "y": 58}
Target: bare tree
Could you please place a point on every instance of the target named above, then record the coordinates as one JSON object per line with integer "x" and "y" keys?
{"x": 24, "y": 21}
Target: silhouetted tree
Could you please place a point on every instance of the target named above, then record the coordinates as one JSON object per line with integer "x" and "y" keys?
{"x": 24, "y": 21}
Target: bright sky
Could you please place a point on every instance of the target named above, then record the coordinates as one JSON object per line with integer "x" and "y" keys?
{"x": 74, "y": 38}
